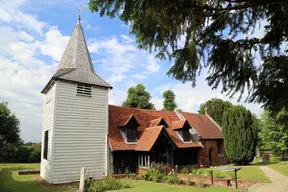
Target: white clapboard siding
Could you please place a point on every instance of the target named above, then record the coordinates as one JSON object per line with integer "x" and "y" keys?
{"x": 48, "y": 125}
{"x": 80, "y": 133}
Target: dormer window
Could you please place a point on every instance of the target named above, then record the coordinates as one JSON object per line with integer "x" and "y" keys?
{"x": 83, "y": 89}
{"x": 184, "y": 133}
{"x": 182, "y": 127}
{"x": 128, "y": 129}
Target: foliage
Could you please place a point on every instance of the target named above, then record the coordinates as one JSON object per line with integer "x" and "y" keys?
{"x": 173, "y": 179}
{"x": 222, "y": 33}
{"x": 274, "y": 131}
{"x": 20, "y": 153}
{"x": 161, "y": 167}
{"x": 185, "y": 170}
{"x": 109, "y": 184}
{"x": 240, "y": 135}
{"x": 215, "y": 108}
{"x": 169, "y": 101}
{"x": 153, "y": 175}
{"x": 138, "y": 97}
{"x": 9, "y": 127}
{"x": 190, "y": 182}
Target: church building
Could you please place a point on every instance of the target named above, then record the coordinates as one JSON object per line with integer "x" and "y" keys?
{"x": 80, "y": 129}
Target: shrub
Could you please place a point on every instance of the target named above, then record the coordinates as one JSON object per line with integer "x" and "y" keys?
{"x": 173, "y": 179}
{"x": 157, "y": 177}
{"x": 161, "y": 167}
{"x": 185, "y": 171}
{"x": 109, "y": 184}
{"x": 190, "y": 182}
{"x": 148, "y": 175}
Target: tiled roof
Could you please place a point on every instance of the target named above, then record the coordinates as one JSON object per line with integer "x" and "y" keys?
{"x": 178, "y": 124}
{"x": 148, "y": 138}
{"x": 203, "y": 125}
{"x": 149, "y": 120}
{"x": 156, "y": 122}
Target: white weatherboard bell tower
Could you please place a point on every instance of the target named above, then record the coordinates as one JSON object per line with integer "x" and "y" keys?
{"x": 75, "y": 122}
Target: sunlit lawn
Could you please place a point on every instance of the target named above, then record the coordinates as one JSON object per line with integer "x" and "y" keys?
{"x": 253, "y": 173}
{"x": 11, "y": 182}
{"x": 274, "y": 164}
{"x": 146, "y": 186}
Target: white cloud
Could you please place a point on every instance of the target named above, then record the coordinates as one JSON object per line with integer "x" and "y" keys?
{"x": 189, "y": 98}
{"x": 54, "y": 44}
{"x": 153, "y": 66}
{"x": 90, "y": 27}
{"x": 11, "y": 11}
{"x": 139, "y": 76}
{"x": 121, "y": 56}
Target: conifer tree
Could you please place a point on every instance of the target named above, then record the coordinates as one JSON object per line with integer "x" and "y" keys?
{"x": 169, "y": 101}
{"x": 240, "y": 135}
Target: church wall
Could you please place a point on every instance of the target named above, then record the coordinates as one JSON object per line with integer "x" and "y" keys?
{"x": 48, "y": 124}
{"x": 80, "y": 133}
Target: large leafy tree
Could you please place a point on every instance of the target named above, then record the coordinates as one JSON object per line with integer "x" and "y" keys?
{"x": 9, "y": 126}
{"x": 240, "y": 135}
{"x": 220, "y": 32}
{"x": 138, "y": 97}
{"x": 169, "y": 101}
{"x": 274, "y": 131}
{"x": 215, "y": 108}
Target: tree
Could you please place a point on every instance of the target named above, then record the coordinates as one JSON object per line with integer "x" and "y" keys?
{"x": 138, "y": 97}
{"x": 9, "y": 126}
{"x": 169, "y": 101}
{"x": 215, "y": 108}
{"x": 240, "y": 135}
{"x": 219, "y": 33}
{"x": 274, "y": 131}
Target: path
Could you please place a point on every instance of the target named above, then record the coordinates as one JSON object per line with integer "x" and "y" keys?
{"x": 279, "y": 182}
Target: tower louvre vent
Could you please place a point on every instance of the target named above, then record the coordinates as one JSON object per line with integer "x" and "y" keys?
{"x": 83, "y": 89}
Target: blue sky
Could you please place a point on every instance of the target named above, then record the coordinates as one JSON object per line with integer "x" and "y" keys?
{"x": 34, "y": 34}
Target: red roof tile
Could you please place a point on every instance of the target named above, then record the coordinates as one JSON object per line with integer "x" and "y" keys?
{"x": 146, "y": 118}
{"x": 203, "y": 125}
{"x": 148, "y": 138}
{"x": 178, "y": 124}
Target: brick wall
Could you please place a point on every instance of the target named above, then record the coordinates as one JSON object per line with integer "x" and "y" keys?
{"x": 212, "y": 154}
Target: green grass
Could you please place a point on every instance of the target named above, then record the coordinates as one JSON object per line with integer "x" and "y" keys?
{"x": 274, "y": 164}
{"x": 283, "y": 169}
{"x": 144, "y": 186}
{"x": 11, "y": 182}
{"x": 250, "y": 173}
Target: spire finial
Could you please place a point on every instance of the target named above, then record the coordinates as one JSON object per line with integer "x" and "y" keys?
{"x": 79, "y": 16}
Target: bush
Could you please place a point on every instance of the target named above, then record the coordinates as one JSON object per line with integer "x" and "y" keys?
{"x": 185, "y": 171}
{"x": 161, "y": 167}
{"x": 173, "y": 179}
{"x": 147, "y": 176}
{"x": 109, "y": 184}
{"x": 190, "y": 182}
{"x": 157, "y": 177}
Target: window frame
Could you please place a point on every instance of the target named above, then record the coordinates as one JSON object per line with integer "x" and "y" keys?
{"x": 45, "y": 145}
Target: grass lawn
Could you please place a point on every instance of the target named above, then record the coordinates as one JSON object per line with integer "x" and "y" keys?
{"x": 283, "y": 169}
{"x": 253, "y": 173}
{"x": 11, "y": 182}
{"x": 144, "y": 186}
{"x": 274, "y": 164}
